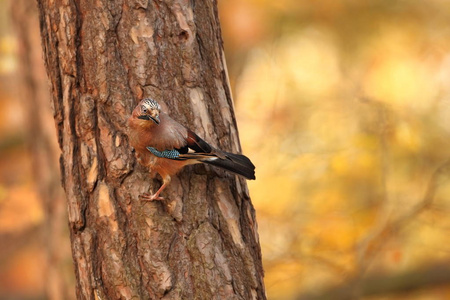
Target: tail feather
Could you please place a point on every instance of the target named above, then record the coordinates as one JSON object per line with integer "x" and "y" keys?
{"x": 236, "y": 163}
{"x": 197, "y": 150}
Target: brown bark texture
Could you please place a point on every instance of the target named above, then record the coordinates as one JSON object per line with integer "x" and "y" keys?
{"x": 43, "y": 147}
{"x": 102, "y": 57}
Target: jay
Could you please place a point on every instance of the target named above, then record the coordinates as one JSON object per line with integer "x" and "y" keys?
{"x": 165, "y": 146}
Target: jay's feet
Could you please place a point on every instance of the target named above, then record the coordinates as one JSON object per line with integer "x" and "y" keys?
{"x": 149, "y": 197}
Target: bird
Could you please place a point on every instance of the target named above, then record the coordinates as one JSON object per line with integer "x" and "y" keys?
{"x": 165, "y": 146}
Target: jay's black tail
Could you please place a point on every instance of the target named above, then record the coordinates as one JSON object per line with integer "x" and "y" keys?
{"x": 236, "y": 163}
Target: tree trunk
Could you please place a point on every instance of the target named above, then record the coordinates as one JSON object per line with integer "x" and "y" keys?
{"x": 44, "y": 151}
{"x": 102, "y": 57}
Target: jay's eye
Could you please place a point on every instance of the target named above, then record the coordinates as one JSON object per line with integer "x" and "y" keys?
{"x": 144, "y": 109}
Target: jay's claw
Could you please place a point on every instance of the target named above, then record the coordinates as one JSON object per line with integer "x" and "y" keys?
{"x": 149, "y": 197}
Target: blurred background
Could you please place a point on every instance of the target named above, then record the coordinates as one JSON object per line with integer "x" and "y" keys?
{"x": 343, "y": 106}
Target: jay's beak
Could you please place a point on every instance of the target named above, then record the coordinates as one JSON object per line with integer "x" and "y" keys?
{"x": 148, "y": 118}
{"x": 155, "y": 119}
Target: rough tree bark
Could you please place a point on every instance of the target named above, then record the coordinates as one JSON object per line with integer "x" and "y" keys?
{"x": 102, "y": 57}
{"x": 44, "y": 151}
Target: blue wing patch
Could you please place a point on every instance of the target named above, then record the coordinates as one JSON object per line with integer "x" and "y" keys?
{"x": 171, "y": 154}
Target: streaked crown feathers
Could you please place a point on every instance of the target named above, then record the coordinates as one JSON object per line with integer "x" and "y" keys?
{"x": 151, "y": 104}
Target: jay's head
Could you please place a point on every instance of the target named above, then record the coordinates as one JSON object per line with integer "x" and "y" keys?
{"x": 148, "y": 110}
